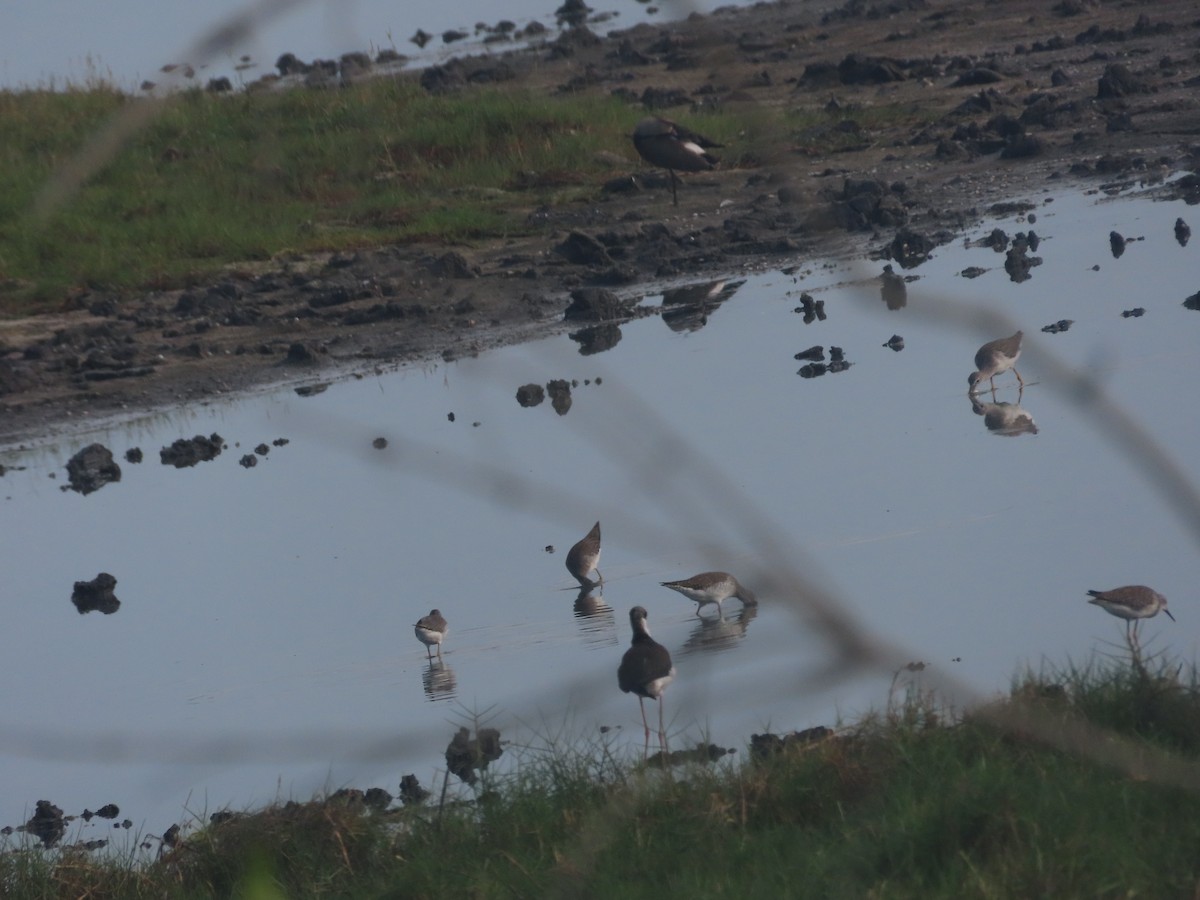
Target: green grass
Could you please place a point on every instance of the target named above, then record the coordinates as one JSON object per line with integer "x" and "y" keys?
{"x": 217, "y": 180}
{"x": 911, "y": 803}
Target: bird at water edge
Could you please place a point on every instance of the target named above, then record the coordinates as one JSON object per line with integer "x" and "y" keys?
{"x": 670, "y": 146}
{"x": 996, "y": 357}
{"x": 646, "y": 670}
{"x": 712, "y": 587}
{"x": 584, "y": 557}
{"x": 431, "y": 631}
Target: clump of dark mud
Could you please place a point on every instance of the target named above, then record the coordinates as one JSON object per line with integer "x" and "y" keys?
{"x": 96, "y": 594}
{"x": 91, "y": 469}
{"x": 186, "y": 452}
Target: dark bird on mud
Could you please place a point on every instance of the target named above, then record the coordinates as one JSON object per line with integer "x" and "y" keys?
{"x": 712, "y": 587}
{"x": 584, "y": 557}
{"x": 995, "y": 357}
{"x": 1131, "y": 603}
{"x": 646, "y": 670}
{"x": 431, "y": 631}
{"x": 669, "y": 146}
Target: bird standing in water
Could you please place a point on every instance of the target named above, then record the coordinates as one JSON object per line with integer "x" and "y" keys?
{"x": 431, "y": 631}
{"x": 995, "y": 357}
{"x": 646, "y": 670}
{"x": 712, "y": 587}
{"x": 584, "y": 557}
{"x": 670, "y": 146}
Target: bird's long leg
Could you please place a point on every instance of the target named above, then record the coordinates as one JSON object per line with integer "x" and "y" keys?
{"x": 598, "y": 575}
{"x": 645, "y": 725}
{"x": 1020, "y": 380}
{"x": 439, "y": 646}
{"x": 662, "y": 731}
{"x": 674, "y": 195}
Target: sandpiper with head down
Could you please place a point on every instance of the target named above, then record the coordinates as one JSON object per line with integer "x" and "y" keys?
{"x": 670, "y": 146}
{"x": 584, "y": 557}
{"x": 1132, "y": 603}
{"x": 431, "y": 631}
{"x": 995, "y": 357}
{"x": 712, "y": 587}
{"x": 646, "y": 670}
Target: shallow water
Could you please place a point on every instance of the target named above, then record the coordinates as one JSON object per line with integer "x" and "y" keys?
{"x": 264, "y": 647}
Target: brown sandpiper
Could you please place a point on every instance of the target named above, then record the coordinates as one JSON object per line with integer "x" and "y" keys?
{"x": 670, "y": 146}
{"x": 431, "y": 630}
{"x": 1133, "y": 602}
{"x": 646, "y": 670}
{"x": 584, "y": 557}
{"x": 995, "y": 357}
{"x": 712, "y": 587}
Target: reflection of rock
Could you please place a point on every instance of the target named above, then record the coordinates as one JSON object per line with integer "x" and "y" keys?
{"x": 1018, "y": 262}
{"x": 687, "y": 308}
{"x": 1182, "y": 232}
{"x": 439, "y": 681}
{"x": 1059, "y": 326}
{"x": 92, "y": 468}
{"x": 187, "y": 452}
{"x": 560, "y": 395}
{"x": 466, "y": 754}
{"x": 596, "y": 339}
{"x": 719, "y": 632}
{"x": 1192, "y": 302}
{"x": 895, "y": 342}
{"x": 46, "y": 823}
{"x": 1116, "y": 244}
{"x": 1004, "y": 419}
{"x": 96, "y": 594}
{"x": 893, "y": 289}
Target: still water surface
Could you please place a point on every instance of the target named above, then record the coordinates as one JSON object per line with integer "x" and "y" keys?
{"x": 264, "y": 647}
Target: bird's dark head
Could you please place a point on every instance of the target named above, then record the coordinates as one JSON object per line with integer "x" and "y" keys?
{"x": 972, "y": 380}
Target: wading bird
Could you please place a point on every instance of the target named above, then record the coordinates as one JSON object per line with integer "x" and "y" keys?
{"x": 646, "y": 670}
{"x": 1131, "y": 603}
{"x": 669, "y": 146}
{"x": 995, "y": 357}
{"x": 712, "y": 587}
{"x": 431, "y": 631}
{"x": 584, "y": 557}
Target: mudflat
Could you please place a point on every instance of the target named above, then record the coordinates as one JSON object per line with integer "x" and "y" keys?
{"x": 996, "y": 101}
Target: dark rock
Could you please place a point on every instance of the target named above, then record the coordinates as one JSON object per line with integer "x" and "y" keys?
{"x": 1118, "y": 81}
{"x": 895, "y": 342}
{"x": 300, "y": 354}
{"x": 451, "y": 265}
{"x": 420, "y": 37}
{"x": 910, "y": 248}
{"x": 1192, "y": 302}
{"x": 1182, "y": 232}
{"x": 977, "y": 76}
{"x": 1136, "y": 313}
{"x": 764, "y": 746}
{"x": 596, "y": 305}
{"x": 560, "y": 395}
{"x": 450, "y": 35}
{"x": 572, "y": 13}
{"x": 1116, "y": 243}
{"x": 583, "y": 250}
{"x": 249, "y": 461}
{"x": 1059, "y": 326}
{"x": 311, "y": 390}
{"x": 465, "y": 754}
{"x": 186, "y": 452}
{"x": 530, "y": 394}
{"x": 812, "y": 370}
{"x": 376, "y": 798}
{"x": 411, "y": 790}
{"x": 380, "y": 443}
{"x": 96, "y": 594}
{"x": 133, "y": 455}
{"x": 815, "y": 353}
{"x": 92, "y": 468}
{"x": 1018, "y": 262}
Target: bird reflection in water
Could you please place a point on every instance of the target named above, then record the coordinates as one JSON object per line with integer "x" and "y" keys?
{"x": 439, "y": 681}
{"x": 719, "y": 633}
{"x": 1004, "y": 419}
{"x": 687, "y": 308}
{"x": 893, "y": 289}
{"x": 595, "y": 617}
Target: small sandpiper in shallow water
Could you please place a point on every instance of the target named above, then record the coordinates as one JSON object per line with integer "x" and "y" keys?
{"x": 584, "y": 557}
{"x": 712, "y": 587}
{"x": 431, "y": 631}
{"x": 646, "y": 670}
{"x": 995, "y": 357}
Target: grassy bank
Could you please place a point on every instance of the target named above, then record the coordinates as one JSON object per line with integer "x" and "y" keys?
{"x": 905, "y": 804}
{"x": 215, "y": 180}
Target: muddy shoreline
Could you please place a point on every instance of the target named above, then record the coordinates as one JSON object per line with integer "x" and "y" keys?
{"x": 1013, "y": 98}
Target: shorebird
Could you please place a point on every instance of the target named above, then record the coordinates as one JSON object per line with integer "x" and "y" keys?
{"x": 669, "y": 146}
{"x": 1131, "y": 603}
{"x": 646, "y": 670}
{"x": 995, "y": 357}
{"x": 583, "y": 558}
{"x": 712, "y": 587}
{"x": 431, "y": 630}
